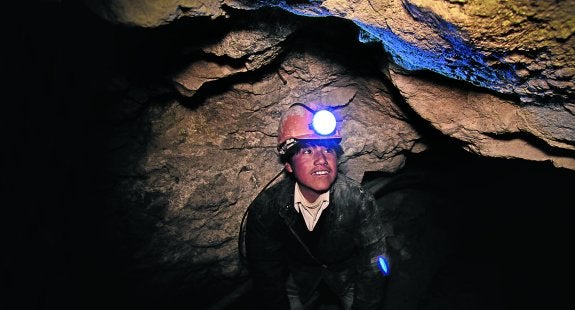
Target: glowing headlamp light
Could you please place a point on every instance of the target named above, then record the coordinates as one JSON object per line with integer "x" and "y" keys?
{"x": 323, "y": 122}
{"x": 292, "y": 129}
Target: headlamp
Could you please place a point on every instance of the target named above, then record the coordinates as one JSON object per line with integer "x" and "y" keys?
{"x": 298, "y": 125}
{"x": 323, "y": 122}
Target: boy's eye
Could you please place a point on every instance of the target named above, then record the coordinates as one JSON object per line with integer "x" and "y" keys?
{"x": 310, "y": 150}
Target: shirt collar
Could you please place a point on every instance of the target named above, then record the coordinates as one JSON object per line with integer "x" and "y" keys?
{"x": 299, "y": 198}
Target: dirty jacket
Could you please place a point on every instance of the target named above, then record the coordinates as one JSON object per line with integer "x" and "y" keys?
{"x": 351, "y": 239}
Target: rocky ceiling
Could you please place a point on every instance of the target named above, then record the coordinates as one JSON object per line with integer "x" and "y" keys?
{"x": 182, "y": 160}
{"x": 520, "y": 55}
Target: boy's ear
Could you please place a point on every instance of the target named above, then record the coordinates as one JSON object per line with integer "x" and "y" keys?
{"x": 288, "y": 167}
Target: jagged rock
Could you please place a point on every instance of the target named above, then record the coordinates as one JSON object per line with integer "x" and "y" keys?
{"x": 489, "y": 125}
{"x": 247, "y": 47}
{"x": 155, "y": 13}
{"x": 519, "y": 48}
{"x": 503, "y": 46}
{"x": 200, "y": 72}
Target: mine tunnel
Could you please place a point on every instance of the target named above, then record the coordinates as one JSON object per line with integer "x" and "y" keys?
{"x": 137, "y": 135}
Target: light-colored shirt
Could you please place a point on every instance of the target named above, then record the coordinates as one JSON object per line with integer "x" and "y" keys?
{"x": 311, "y": 211}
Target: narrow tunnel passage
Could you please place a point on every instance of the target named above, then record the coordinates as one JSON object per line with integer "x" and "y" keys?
{"x": 476, "y": 233}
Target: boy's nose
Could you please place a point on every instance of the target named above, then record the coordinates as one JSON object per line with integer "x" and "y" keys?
{"x": 320, "y": 158}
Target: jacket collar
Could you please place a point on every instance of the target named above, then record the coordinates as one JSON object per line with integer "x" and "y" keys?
{"x": 287, "y": 211}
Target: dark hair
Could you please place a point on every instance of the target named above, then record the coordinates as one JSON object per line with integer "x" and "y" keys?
{"x": 330, "y": 143}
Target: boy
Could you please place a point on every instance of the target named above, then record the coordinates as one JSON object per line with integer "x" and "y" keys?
{"x": 316, "y": 232}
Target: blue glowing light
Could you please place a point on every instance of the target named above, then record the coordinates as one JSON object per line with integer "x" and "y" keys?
{"x": 383, "y": 266}
{"x": 323, "y": 122}
{"x": 458, "y": 58}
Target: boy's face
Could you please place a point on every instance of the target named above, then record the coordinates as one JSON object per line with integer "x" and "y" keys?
{"x": 314, "y": 168}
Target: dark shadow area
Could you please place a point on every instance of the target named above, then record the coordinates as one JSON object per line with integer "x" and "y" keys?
{"x": 480, "y": 233}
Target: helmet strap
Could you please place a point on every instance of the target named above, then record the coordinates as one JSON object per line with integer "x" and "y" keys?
{"x": 288, "y": 144}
